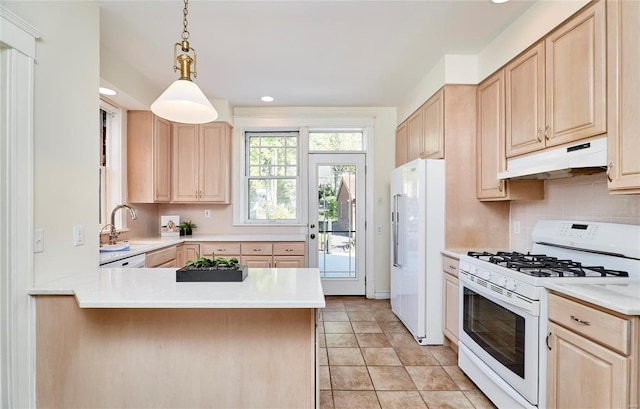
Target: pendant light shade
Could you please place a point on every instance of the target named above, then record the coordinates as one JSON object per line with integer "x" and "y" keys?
{"x": 184, "y": 102}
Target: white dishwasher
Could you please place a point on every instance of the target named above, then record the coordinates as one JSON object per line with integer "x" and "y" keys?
{"x": 137, "y": 261}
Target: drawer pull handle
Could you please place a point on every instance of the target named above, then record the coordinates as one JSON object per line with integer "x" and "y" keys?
{"x": 221, "y": 249}
{"x": 257, "y": 249}
{"x": 538, "y": 134}
{"x": 576, "y": 319}
{"x": 452, "y": 267}
{"x": 547, "y": 340}
{"x": 289, "y": 250}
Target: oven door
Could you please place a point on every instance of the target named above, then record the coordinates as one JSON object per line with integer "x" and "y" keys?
{"x": 501, "y": 329}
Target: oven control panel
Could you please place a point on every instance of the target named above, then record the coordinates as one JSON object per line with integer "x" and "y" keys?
{"x": 499, "y": 276}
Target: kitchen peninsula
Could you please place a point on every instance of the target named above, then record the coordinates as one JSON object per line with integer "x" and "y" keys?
{"x": 137, "y": 338}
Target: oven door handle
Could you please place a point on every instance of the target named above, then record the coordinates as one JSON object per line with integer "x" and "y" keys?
{"x": 514, "y": 303}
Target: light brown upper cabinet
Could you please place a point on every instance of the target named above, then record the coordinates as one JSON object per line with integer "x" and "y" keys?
{"x": 556, "y": 90}
{"x": 490, "y": 147}
{"x": 415, "y": 129}
{"x": 623, "y": 99}
{"x": 433, "y": 128}
{"x": 525, "y": 118}
{"x": 201, "y": 163}
{"x": 402, "y": 140}
{"x": 422, "y": 134}
{"x": 149, "y": 157}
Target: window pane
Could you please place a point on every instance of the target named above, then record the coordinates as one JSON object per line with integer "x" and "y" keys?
{"x": 272, "y": 199}
{"x": 336, "y": 141}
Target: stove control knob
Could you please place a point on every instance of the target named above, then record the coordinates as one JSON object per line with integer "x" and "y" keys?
{"x": 511, "y": 285}
{"x": 499, "y": 280}
{"x": 484, "y": 274}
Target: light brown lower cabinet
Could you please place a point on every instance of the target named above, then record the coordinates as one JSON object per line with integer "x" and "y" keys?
{"x": 450, "y": 300}
{"x": 185, "y": 253}
{"x": 259, "y": 254}
{"x": 170, "y": 358}
{"x": 162, "y": 258}
{"x": 592, "y": 357}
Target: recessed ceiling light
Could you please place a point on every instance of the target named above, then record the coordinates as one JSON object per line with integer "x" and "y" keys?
{"x": 267, "y": 98}
{"x": 499, "y": 1}
{"x": 107, "y": 91}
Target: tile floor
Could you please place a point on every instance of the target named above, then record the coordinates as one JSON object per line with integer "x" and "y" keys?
{"x": 368, "y": 359}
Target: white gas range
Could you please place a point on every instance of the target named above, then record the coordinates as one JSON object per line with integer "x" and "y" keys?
{"x": 503, "y": 314}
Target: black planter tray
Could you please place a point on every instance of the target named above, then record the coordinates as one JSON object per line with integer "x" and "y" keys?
{"x": 189, "y": 274}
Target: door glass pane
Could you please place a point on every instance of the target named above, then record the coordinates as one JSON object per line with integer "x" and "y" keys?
{"x": 337, "y": 221}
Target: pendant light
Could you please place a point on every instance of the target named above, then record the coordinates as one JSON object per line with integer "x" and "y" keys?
{"x": 183, "y": 101}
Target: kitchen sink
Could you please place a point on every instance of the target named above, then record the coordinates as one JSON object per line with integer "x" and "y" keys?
{"x": 124, "y": 246}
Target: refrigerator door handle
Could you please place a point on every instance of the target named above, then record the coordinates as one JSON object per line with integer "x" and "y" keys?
{"x": 396, "y": 231}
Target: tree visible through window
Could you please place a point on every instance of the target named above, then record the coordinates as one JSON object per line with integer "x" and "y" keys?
{"x": 272, "y": 176}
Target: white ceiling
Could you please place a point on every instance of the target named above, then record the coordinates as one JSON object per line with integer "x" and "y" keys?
{"x": 303, "y": 53}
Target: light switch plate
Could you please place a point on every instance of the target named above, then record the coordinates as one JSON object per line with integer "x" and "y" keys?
{"x": 38, "y": 240}
{"x": 78, "y": 236}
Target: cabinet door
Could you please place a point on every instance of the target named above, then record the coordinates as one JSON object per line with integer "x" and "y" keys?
{"x": 415, "y": 127}
{"x": 451, "y": 307}
{"x": 402, "y": 141}
{"x": 149, "y": 157}
{"x": 184, "y": 185}
{"x": 433, "y": 127}
{"x": 490, "y": 158}
{"x": 524, "y": 102}
{"x": 214, "y": 160}
{"x": 576, "y": 77}
{"x": 289, "y": 262}
{"x": 186, "y": 252}
{"x": 583, "y": 374}
{"x": 623, "y": 102}
{"x": 256, "y": 261}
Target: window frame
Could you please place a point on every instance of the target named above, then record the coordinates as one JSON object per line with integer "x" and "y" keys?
{"x": 246, "y": 178}
{"x": 114, "y": 176}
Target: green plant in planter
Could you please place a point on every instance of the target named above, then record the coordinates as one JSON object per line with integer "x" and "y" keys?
{"x": 214, "y": 263}
{"x": 188, "y": 227}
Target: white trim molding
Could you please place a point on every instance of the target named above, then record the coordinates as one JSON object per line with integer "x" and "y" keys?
{"x": 17, "y": 336}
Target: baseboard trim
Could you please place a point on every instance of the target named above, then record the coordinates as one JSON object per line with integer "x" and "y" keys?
{"x": 382, "y": 295}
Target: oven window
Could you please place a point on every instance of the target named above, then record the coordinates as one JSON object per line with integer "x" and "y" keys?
{"x": 497, "y": 330}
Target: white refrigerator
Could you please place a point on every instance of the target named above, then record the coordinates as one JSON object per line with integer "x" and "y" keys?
{"x": 417, "y": 237}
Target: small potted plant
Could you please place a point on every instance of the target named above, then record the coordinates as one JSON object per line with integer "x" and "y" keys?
{"x": 212, "y": 269}
{"x": 187, "y": 227}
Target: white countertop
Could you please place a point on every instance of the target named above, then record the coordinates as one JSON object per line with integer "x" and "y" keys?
{"x": 157, "y": 288}
{"x": 621, "y": 297}
{"x": 139, "y": 246}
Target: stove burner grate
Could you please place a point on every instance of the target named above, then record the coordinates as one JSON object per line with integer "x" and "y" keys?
{"x": 540, "y": 265}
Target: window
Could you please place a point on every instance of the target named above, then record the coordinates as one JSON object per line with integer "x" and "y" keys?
{"x": 337, "y": 141}
{"x": 110, "y": 164}
{"x": 272, "y": 177}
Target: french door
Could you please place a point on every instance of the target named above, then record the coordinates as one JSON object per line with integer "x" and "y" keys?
{"x": 337, "y": 221}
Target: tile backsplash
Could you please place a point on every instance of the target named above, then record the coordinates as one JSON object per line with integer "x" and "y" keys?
{"x": 579, "y": 198}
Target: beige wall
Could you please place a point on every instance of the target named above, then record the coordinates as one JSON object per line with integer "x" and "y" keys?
{"x": 579, "y": 198}
{"x": 65, "y": 132}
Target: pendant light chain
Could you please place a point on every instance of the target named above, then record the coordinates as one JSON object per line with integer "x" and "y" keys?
{"x": 185, "y": 11}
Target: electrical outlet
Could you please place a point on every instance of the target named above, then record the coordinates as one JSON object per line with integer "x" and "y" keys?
{"x": 78, "y": 236}
{"x": 207, "y": 212}
{"x": 38, "y": 240}
{"x": 379, "y": 229}
{"x": 516, "y": 227}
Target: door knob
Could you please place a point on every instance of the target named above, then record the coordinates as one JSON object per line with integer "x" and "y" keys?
{"x": 312, "y": 236}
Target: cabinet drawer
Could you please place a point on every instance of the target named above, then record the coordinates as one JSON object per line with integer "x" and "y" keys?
{"x": 159, "y": 257}
{"x": 608, "y": 329}
{"x": 256, "y": 248}
{"x": 289, "y": 249}
{"x": 220, "y": 248}
{"x": 450, "y": 265}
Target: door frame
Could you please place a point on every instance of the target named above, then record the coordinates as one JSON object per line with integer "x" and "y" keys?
{"x": 327, "y": 159}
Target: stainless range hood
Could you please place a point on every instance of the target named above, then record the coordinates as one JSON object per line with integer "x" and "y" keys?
{"x": 582, "y": 158}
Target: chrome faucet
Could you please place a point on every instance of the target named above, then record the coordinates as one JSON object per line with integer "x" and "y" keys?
{"x": 113, "y": 234}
